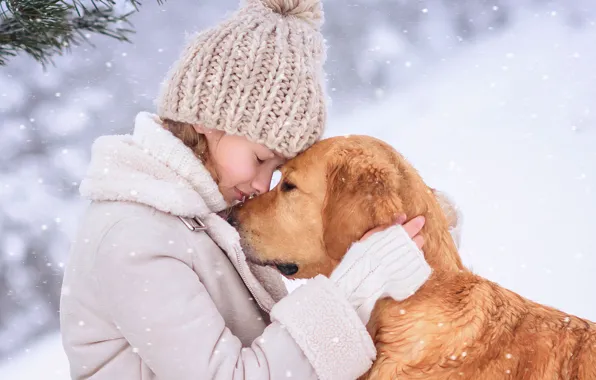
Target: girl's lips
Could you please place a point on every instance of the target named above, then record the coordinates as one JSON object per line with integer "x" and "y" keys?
{"x": 239, "y": 194}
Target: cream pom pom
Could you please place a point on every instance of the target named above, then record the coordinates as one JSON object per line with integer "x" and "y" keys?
{"x": 308, "y": 10}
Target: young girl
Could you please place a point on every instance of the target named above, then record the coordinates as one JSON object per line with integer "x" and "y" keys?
{"x": 157, "y": 286}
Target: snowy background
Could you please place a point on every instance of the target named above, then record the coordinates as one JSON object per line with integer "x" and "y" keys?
{"x": 493, "y": 101}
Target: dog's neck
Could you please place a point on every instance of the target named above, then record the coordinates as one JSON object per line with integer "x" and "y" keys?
{"x": 439, "y": 248}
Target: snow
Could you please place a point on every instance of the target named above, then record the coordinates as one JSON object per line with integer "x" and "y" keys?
{"x": 515, "y": 150}
{"x": 507, "y": 127}
{"x": 44, "y": 360}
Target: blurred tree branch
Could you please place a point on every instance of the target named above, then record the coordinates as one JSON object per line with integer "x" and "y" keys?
{"x": 44, "y": 28}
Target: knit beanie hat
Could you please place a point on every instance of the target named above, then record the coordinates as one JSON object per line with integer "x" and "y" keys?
{"x": 259, "y": 74}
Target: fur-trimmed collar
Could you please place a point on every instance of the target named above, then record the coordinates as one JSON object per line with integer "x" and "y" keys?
{"x": 155, "y": 168}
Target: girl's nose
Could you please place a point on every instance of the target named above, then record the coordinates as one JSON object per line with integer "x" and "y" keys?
{"x": 262, "y": 181}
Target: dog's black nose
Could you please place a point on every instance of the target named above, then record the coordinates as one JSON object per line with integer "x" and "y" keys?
{"x": 287, "y": 269}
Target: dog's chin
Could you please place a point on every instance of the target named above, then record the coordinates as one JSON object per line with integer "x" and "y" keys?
{"x": 285, "y": 269}
{"x": 250, "y": 254}
{"x": 255, "y": 260}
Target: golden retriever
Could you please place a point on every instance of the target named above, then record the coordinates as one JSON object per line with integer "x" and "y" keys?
{"x": 458, "y": 325}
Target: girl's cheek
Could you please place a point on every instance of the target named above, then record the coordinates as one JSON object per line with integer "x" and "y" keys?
{"x": 240, "y": 172}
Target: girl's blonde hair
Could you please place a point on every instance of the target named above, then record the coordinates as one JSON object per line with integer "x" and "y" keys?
{"x": 198, "y": 143}
{"x": 194, "y": 140}
{"x": 190, "y": 137}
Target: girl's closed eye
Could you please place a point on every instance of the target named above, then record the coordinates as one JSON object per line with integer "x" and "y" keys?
{"x": 259, "y": 161}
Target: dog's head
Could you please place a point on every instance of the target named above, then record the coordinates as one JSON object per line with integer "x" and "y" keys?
{"x": 328, "y": 198}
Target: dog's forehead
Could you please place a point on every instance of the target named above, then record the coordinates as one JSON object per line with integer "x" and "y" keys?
{"x": 330, "y": 151}
{"x": 311, "y": 158}
{"x": 305, "y": 167}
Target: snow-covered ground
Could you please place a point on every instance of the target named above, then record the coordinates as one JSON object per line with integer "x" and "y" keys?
{"x": 508, "y": 128}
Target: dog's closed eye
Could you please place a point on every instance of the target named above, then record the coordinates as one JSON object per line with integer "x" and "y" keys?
{"x": 287, "y": 186}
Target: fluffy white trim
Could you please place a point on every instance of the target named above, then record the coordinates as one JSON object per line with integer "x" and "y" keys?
{"x": 155, "y": 168}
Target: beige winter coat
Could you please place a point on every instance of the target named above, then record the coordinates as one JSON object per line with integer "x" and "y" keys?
{"x": 146, "y": 297}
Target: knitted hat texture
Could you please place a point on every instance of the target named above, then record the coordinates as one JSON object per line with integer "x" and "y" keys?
{"x": 258, "y": 74}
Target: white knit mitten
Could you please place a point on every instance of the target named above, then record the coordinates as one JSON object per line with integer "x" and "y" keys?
{"x": 386, "y": 264}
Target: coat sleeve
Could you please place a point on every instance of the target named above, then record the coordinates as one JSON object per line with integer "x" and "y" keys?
{"x": 161, "y": 308}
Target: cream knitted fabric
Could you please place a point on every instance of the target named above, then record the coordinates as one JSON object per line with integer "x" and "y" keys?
{"x": 258, "y": 74}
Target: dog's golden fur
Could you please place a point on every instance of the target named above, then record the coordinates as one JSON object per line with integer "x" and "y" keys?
{"x": 458, "y": 325}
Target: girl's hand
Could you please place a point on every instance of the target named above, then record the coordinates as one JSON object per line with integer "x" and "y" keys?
{"x": 389, "y": 263}
{"x": 412, "y": 227}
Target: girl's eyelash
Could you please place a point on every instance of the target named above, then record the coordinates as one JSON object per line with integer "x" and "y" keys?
{"x": 259, "y": 160}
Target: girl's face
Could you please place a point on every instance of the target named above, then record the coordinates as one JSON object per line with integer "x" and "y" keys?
{"x": 240, "y": 167}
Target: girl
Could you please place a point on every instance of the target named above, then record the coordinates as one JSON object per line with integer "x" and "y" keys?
{"x": 157, "y": 286}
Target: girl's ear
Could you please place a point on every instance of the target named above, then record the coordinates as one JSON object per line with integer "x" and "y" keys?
{"x": 200, "y": 129}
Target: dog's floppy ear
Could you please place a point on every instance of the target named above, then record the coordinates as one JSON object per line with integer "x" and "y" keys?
{"x": 361, "y": 194}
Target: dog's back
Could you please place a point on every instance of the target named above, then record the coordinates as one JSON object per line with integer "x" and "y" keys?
{"x": 461, "y": 326}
